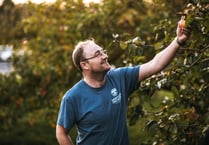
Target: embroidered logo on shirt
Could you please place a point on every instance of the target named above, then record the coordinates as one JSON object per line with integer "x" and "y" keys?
{"x": 116, "y": 95}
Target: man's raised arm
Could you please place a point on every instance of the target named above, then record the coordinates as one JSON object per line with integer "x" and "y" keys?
{"x": 163, "y": 58}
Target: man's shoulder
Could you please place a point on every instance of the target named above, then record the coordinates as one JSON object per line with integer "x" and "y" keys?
{"x": 74, "y": 91}
{"x": 116, "y": 71}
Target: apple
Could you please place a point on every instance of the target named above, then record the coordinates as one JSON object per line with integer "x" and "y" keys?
{"x": 182, "y": 23}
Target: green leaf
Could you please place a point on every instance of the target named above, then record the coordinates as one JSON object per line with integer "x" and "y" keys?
{"x": 123, "y": 45}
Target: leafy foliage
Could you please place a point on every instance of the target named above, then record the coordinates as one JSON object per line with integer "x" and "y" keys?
{"x": 43, "y": 37}
{"x": 180, "y": 119}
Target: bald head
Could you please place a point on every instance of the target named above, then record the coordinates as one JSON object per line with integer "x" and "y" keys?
{"x": 78, "y": 52}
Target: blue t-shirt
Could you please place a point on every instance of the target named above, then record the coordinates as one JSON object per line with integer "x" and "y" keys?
{"x": 100, "y": 113}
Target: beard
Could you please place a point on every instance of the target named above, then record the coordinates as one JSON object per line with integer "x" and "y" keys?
{"x": 102, "y": 70}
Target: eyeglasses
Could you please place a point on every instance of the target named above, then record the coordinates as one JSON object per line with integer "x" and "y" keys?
{"x": 97, "y": 54}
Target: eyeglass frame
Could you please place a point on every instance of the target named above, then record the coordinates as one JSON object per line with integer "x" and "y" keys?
{"x": 97, "y": 54}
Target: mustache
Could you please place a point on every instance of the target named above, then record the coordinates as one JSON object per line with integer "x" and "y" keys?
{"x": 104, "y": 61}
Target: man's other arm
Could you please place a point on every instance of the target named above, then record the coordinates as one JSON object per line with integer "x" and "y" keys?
{"x": 62, "y": 136}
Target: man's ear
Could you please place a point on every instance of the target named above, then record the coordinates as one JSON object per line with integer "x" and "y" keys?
{"x": 84, "y": 65}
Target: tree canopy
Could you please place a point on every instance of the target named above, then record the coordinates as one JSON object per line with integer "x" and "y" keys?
{"x": 169, "y": 108}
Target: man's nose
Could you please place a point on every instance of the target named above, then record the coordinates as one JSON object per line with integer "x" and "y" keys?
{"x": 104, "y": 55}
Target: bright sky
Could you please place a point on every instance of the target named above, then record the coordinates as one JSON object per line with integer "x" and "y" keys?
{"x": 47, "y": 1}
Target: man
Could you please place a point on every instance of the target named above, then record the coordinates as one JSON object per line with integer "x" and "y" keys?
{"x": 97, "y": 104}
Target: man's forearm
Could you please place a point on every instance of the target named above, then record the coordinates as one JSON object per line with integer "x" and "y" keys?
{"x": 159, "y": 62}
{"x": 163, "y": 58}
{"x": 64, "y": 140}
{"x": 62, "y": 136}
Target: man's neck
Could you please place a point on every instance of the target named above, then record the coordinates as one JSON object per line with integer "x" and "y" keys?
{"x": 95, "y": 82}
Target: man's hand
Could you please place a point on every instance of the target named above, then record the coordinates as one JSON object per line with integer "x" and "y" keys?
{"x": 182, "y": 32}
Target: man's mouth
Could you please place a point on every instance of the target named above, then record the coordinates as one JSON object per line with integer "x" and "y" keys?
{"x": 104, "y": 62}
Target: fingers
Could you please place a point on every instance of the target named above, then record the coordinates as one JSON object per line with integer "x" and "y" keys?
{"x": 186, "y": 31}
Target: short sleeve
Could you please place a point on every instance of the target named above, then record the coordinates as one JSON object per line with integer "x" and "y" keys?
{"x": 66, "y": 116}
{"x": 127, "y": 78}
{"x": 131, "y": 75}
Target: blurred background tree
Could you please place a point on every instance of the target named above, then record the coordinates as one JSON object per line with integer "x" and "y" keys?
{"x": 169, "y": 108}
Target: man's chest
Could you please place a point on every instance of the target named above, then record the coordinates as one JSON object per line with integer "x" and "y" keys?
{"x": 100, "y": 107}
